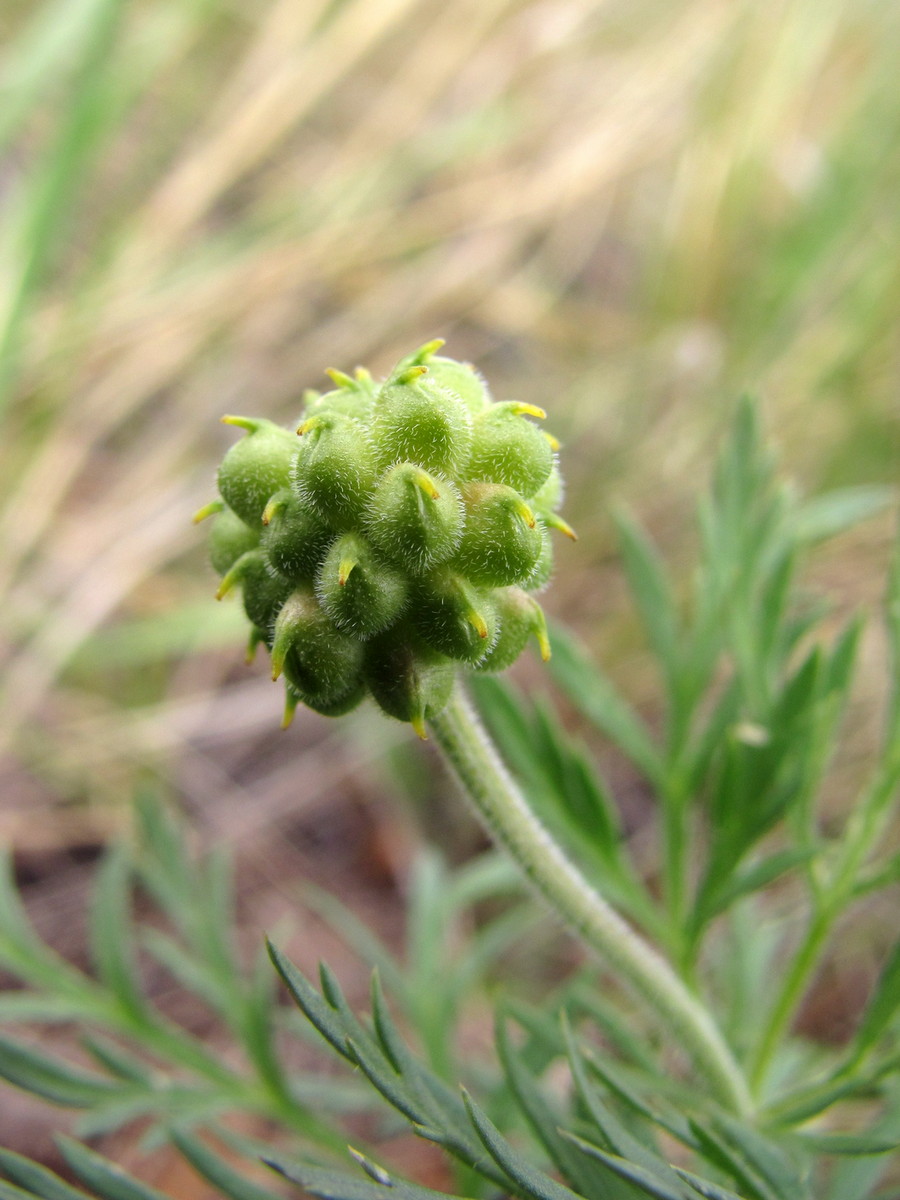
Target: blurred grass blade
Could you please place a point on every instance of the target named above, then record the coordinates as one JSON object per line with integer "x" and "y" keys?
{"x": 42, "y": 51}
{"x": 55, "y": 181}
{"x": 828, "y": 515}
{"x": 37, "y": 1180}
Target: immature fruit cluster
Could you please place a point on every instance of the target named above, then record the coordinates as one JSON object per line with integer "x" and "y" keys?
{"x": 399, "y": 537}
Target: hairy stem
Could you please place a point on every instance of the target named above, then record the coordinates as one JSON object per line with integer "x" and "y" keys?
{"x": 504, "y": 810}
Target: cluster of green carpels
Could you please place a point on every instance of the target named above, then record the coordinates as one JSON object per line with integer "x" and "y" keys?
{"x": 400, "y": 536}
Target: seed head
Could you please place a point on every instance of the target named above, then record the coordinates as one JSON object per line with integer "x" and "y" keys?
{"x": 394, "y": 540}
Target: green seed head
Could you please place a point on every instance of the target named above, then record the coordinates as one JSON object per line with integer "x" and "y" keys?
{"x": 452, "y": 616}
{"x": 507, "y": 448}
{"x": 543, "y": 571}
{"x": 463, "y": 380}
{"x": 519, "y": 617}
{"x": 417, "y": 421}
{"x": 415, "y": 519}
{"x": 255, "y": 467}
{"x": 397, "y": 541}
{"x": 229, "y": 538}
{"x": 321, "y": 663}
{"x": 407, "y": 679}
{"x": 359, "y": 592}
{"x": 263, "y": 592}
{"x": 458, "y": 377}
{"x": 294, "y": 537}
{"x": 501, "y": 541}
{"x": 333, "y": 472}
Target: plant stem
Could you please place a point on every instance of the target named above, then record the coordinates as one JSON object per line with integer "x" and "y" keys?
{"x": 793, "y": 990}
{"x": 504, "y": 810}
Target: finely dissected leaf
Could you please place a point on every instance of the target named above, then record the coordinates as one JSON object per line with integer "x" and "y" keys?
{"x": 113, "y": 1115}
{"x": 656, "y": 604}
{"x": 117, "y": 1061}
{"x": 257, "y": 1028}
{"x": 109, "y": 1181}
{"x": 36, "y": 1180}
{"x": 52, "y": 1078}
{"x": 595, "y": 696}
{"x": 112, "y": 935}
{"x": 214, "y": 1168}
{"x": 41, "y": 1009}
{"x": 22, "y": 951}
{"x": 757, "y": 1164}
{"x": 530, "y": 1180}
{"x": 406, "y": 1085}
{"x": 724, "y": 1156}
{"x": 710, "y": 1191}
{"x": 612, "y": 1079}
{"x": 854, "y": 1145}
{"x": 322, "y": 1015}
{"x": 163, "y": 864}
{"x": 756, "y": 877}
{"x": 883, "y": 1005}
{"x": 617, "y": 1137}
{"x": 646, "y": 1181}
{"x": 184, "y": 966}
{"x": 9, "y": 1191}
{"x": 856, "y": 1178}
{"x": 335, "y": 1185}
{"x": 765, "y": 1156}
{"x": 543, "y": 1119}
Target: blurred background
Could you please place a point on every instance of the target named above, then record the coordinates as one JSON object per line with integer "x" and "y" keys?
{"x": 627, "y": 213}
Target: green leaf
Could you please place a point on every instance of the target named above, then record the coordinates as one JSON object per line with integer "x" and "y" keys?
{"x": 613, "y": 1080}
{"x": 105, "y": 1178}
{"x": 531, "y": 1181}
{"x": 651, "y": 591}
{"x": 36, "y": 1180}
{"x": 118, "y": 1061}
{"x": 707, "y": 1189}
{"x": 883, "y": 1005}
{"x": 594, "y": 695}
{"x": 852, "y": 1144}
{"x": 830, "y": 514}
{"x": 404, "y": 1083}
{"x": 216, "y": 1170}
{"x": 892, "y": 623}
{"x": 758, "y": 1165}
{"x": 647, "y": 1181}
{"x": 51, "y": 1078}
{"x": 543, "y": 1119}
{"x": 190, "y": 971}
{"x": 335, "y": 1185}
{"x": 9, "y": 1191}
{"x": 47, "y": 1010}
{"x": 614, "y": 1133}
{"x": 112, "y": 934}
{"x": 756, "y": 877}
{"x": 314, "y": 1008}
